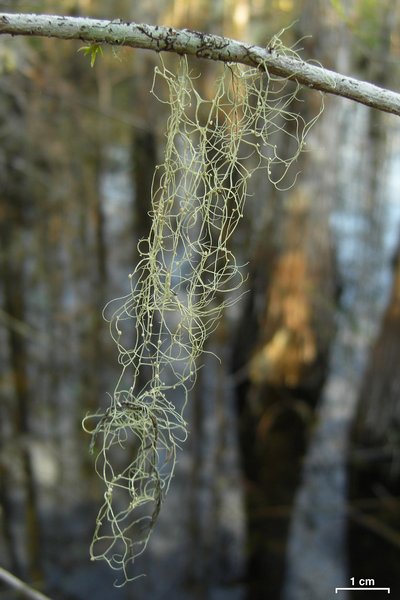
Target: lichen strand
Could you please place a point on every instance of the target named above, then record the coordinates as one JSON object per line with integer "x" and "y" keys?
{"x": 185, "y": 278}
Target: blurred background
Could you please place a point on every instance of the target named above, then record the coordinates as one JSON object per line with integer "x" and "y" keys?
{"x": 288, "y": 485}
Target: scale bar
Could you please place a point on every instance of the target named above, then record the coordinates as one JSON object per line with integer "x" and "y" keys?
{"x": 362, "y": 589}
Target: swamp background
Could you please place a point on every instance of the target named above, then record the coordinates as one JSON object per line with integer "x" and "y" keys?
{"x": 289, "y": 482}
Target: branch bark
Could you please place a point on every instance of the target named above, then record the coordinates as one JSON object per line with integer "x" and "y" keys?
{"x": 202, "y": 45}
{"x": 24, "y": 589}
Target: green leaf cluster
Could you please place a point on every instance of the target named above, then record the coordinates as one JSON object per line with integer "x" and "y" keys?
{"x": 92, "y": 50}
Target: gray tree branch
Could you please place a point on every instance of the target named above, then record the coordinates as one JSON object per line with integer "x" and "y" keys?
{"x": 24, "y": 589}
{"x": 202, "y": 45}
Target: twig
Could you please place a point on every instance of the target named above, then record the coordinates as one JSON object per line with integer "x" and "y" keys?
{"x": 22, "y": 587}
{"x": 376, "y": 526}
{"x": 202, "y": 45}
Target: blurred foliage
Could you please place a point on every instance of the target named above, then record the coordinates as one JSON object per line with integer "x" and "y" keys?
{"x": 373, "y": 24}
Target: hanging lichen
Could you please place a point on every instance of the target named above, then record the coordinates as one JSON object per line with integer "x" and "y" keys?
{"x": 186, "y": 267}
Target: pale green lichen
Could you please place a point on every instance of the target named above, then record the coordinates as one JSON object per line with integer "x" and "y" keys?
{"x": 185, "y": 278}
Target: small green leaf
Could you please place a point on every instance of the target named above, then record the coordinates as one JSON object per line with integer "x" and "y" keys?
{"x": 93, "y": 50}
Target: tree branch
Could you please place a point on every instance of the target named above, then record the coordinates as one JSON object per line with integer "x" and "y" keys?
{"x": 202, "y": 45}
{"x": 22, "y": 587}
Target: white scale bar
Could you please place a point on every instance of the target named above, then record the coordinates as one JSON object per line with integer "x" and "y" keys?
{"x": 362, "y": 589}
